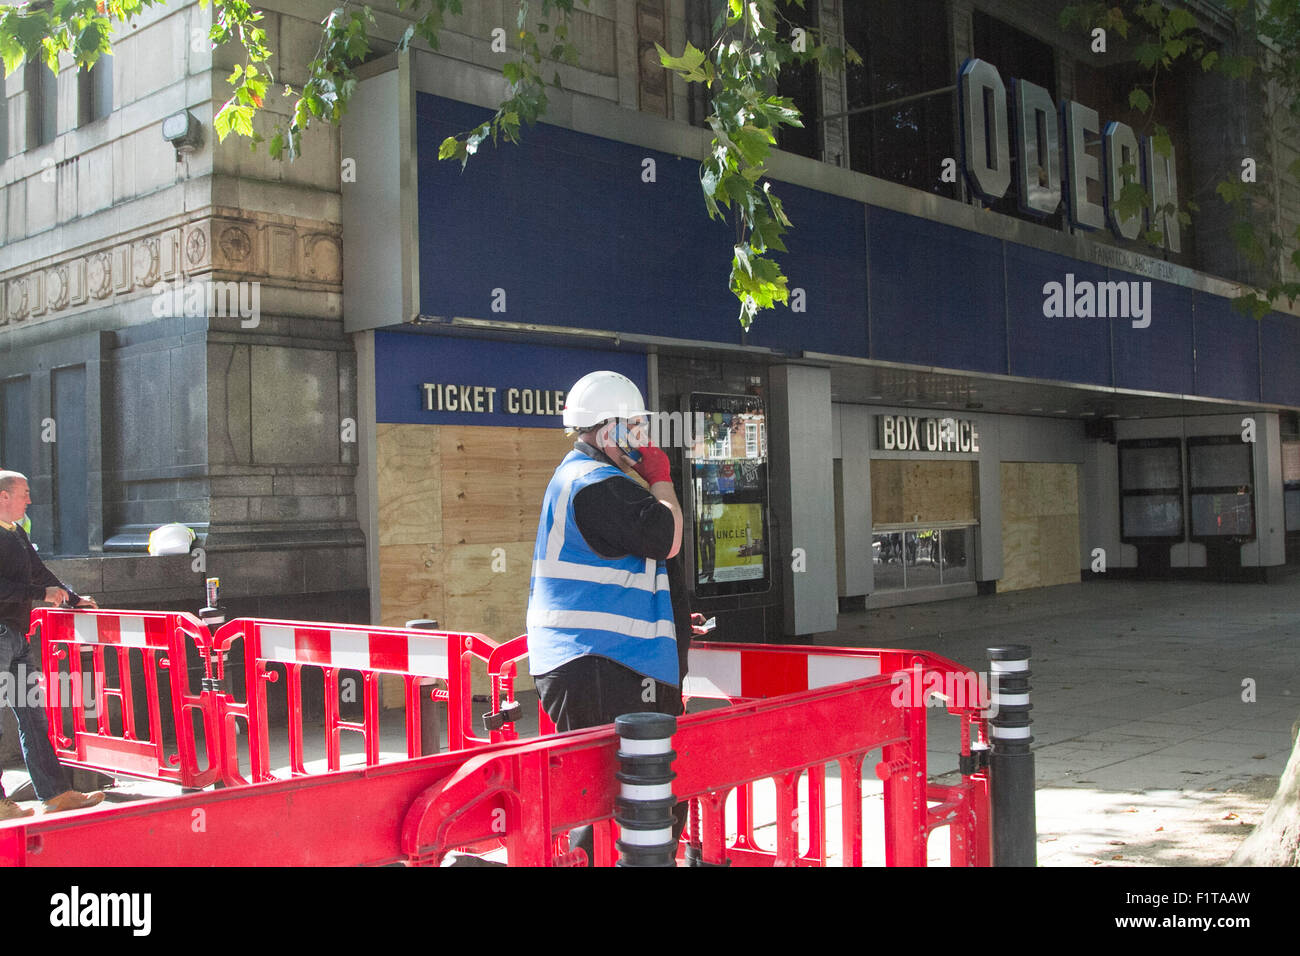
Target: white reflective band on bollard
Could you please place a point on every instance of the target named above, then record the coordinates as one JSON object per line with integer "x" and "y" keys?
{"x": 1009, "y": 733}
{"x": 661, "y": 746}
{"x": 1009, "y": 666}
{"x": 660, "y": 791}
{"x": 1011, "y": 699}
{"x": 646, "y": 837}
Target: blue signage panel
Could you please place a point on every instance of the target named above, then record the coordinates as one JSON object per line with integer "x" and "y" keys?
{"x": 579, "y": 231}
{"x": 562, "y": 229}
{"x": 1157, "y": 357}
{"x": 1280, "y": 353}
{"x": 425, "y": 379}
{"x": 568, "y": 229}
{"x": 1227, "y": 350}
{"x": 937, "y": 296}
{"x": 1050, "y": 338}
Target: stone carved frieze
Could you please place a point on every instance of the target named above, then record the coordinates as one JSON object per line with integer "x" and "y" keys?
{"x": 56, "y": 287}
{"x": 99, "y": 274}
{"x": 274, "y": 251}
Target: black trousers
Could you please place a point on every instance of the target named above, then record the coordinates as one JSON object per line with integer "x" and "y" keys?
{"x": 590, "y": 691}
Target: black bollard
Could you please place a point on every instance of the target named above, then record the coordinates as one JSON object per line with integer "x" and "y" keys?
{"x": 430, "y": 731}
{"x": 644, "y": 809}
{"x": 1011, "y": 762}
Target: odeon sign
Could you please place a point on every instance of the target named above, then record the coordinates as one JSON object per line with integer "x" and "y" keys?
{"x": 1040, "y": 131}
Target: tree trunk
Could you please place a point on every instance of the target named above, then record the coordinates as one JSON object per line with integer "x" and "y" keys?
{"x": 1276, "y": 841}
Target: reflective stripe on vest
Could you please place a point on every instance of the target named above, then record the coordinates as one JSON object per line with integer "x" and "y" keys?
{"x": 581, "y": 603}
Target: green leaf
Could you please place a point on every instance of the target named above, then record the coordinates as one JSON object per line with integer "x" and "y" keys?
{"x": 1139, "y": 100}
{"x": 710, "y": 176}
{"x": 1230, "y": 190}
{"x": 742, "y": 260}
{"x": 451, "y": 148}
{"x": 689, "y": 66}
{"x": 1149, "y": 54}
{"x": 1181, "y": 20}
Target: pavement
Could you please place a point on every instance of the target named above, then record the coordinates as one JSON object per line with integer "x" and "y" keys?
{"x": 1163, "y": 714}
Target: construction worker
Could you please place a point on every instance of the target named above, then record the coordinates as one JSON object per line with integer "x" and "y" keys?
{"x": 602, "y": 634}
{"x": 24, "y": 579}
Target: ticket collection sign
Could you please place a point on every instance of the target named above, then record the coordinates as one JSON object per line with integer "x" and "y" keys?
{"x": 427, "y": 379}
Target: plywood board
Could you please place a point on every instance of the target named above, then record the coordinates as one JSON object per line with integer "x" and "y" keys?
{"x": 1058, "y": 538}
{"x": 494, "y": 480}
{"x": 939, "y": 490}
{"x": 1052, "y": 488}
{"x": 410, "y": 584}
{"x": 487, "y": 587}
{"x": 1040, "y": 524}
{"x": 1015, "y": 490}
{"x": 1021, "y": 566}
{"x": 540, "y": 451}
{"x": 886, "y": 492}
{"x": 480, "y": 485}
{"x": 409, "y": 484}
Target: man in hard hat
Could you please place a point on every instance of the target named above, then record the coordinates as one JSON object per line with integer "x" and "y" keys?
{"x": 602, "y": 634}
{"x": 24, "y": 579}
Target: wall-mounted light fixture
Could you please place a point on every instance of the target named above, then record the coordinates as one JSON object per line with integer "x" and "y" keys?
{"x": 183, "y": 131}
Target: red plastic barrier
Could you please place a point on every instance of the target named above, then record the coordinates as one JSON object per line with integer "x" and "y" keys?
{"x": 741, "y": 672}
{"x": 529, "y": 794}
{"x": 502, "y": 672}
{"x": 738, "y": 673}
{"x": 414, "y": 655}
{"x": 94, "y": 637}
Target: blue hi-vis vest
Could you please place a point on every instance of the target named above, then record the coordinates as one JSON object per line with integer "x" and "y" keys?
{"x": 580, "y": 603}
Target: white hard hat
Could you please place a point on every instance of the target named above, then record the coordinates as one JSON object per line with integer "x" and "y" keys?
{"x": 599, "y": 396}
{"x": 171, "y": 539}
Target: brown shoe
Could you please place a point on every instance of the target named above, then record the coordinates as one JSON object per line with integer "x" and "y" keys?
{"x": 73, "y": 800}
{"x": 11, "y": 811}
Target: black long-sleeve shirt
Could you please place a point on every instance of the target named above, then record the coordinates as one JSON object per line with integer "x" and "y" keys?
{"x": 618, "y": 518}
{"x": 23, "y": 579}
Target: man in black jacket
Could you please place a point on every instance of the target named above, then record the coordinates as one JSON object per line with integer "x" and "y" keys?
{"x": 24, "y": 579}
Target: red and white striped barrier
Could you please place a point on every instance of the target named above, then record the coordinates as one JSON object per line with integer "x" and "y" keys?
{"x": 160, "y": 640}
{"x": 755, "y": 671}
{"x": 412, "y": 654}
{"x": 404, "y": 652}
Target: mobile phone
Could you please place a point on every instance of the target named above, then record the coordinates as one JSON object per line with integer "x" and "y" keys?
{"x": 622, "y": 438}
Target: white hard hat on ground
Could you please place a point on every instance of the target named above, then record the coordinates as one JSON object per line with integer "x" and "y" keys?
{"x": 599, "y": 396}
{"x": 171, "y": 539}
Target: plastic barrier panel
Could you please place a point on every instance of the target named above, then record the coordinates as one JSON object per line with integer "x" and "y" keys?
{"x": 530, "y": 794}
{"x": 92, "y": 657}
{"x": 271, "y": 648}
{"x": 743, "y": 672}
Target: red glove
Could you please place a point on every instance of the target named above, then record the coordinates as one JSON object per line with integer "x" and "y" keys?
{"x": 653, "y": 465}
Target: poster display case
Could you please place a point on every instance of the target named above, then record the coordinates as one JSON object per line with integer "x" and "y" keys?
{"x": 728, "y": 480}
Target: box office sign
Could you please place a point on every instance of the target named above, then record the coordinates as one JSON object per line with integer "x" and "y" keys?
{"x": 424, "y": 379}
{"x": 913, "y": 433}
